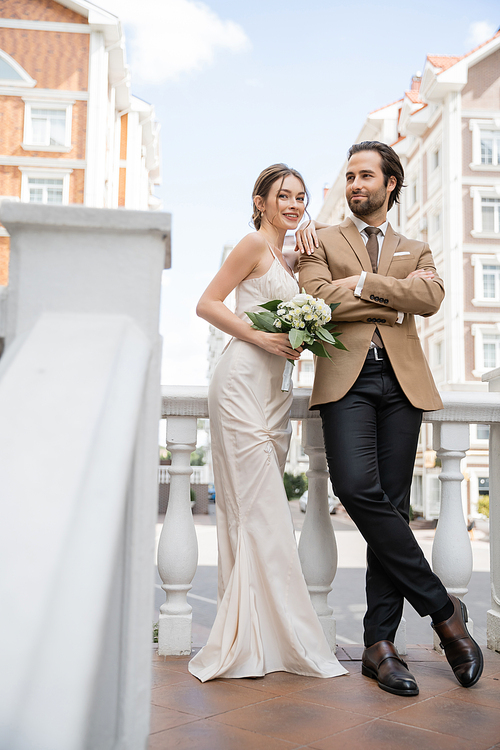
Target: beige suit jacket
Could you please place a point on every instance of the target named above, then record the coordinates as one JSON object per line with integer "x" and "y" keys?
{"x": 342, "y": 253}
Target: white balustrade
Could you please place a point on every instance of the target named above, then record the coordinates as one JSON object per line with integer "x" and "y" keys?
{"x": 452, "y": 550}
{"x": 493, "y": 616}
{"x": 317, "y": 546}
{"x": 178, "y": 547}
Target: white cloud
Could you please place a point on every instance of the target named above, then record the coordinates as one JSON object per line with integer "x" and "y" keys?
{"x": 479, "y": 32}
{"x": 168, "y": 37}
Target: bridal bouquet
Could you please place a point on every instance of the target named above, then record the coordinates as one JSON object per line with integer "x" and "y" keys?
{"x": 306, "y": 319}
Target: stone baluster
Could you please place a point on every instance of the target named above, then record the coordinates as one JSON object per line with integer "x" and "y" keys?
{"x": 178, "y": 547}
{"x": 317, "y": 546}
{"x": 452, "y": 551}
{"x": 493, "y": 616}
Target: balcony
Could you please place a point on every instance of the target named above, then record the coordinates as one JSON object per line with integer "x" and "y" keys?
{"x": 80, "y": 373}
{"x": 290, "y": 711}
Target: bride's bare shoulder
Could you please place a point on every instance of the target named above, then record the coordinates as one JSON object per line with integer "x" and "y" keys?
{"x": 252, "y": 242}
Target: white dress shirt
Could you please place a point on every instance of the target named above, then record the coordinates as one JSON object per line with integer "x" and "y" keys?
{"x": 360, "y": 226}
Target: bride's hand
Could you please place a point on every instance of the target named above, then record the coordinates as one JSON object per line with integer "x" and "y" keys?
{"x": 306, "y": 239}
{"x": 277, "y": 343}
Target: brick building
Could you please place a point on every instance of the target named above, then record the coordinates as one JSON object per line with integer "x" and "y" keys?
{"x": 446, "y": 129}
{"x": 70, "y": 130}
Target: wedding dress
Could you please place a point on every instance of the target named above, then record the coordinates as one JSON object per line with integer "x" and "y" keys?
{"x": 265, "y": 620}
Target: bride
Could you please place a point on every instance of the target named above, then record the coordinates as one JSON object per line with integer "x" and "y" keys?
{"x": 265, "y": 620}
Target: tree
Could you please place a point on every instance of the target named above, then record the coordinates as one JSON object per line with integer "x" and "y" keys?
{"x": 295, "y": 486}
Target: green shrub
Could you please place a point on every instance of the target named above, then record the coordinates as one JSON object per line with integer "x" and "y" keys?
{"x": 483, "y": 505}
{"x": 295, "y": 486}
{"x": 155, "y": 632}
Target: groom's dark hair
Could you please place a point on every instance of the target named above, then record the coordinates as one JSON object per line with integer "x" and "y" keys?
{"x": 390, "y": 163}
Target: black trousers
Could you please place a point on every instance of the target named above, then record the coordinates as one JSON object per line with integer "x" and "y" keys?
{"x": 371, "y": 439}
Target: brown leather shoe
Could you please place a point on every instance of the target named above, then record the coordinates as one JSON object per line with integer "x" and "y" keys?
{"x": 463, "y": 654}
{"x": 382, "y": 662}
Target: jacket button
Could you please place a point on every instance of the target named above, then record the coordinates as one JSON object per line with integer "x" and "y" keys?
{"x": 386, "y": 301}
{"x": 377, "y": 299}
{"x": 383, "y": 320}
{"x": 369, "y": 320}
{"x": 371, "y": 296}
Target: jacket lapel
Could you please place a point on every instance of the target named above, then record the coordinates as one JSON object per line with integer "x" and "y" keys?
{"x": 391, "y": 241}
{"x": 353, "y": 237}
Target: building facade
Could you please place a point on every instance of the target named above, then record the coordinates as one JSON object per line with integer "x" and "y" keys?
{"x": 71, "y": 131}
{"x": 446, "y": 130}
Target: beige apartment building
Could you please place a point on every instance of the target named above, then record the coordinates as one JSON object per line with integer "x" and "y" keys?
{"x": 446, "y": 129}
{"x": 71, "y": 131}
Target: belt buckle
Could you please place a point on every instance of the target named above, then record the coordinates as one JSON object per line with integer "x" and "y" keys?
{"x": 376, "y": 354}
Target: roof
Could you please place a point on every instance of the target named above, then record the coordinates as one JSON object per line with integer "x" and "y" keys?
{"x": 385, "y": 106}
{"x": 414, "y": 97}
{"x": 447, "y": 61}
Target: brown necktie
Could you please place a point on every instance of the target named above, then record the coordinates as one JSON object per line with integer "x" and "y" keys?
{"x": 372, "y": 247}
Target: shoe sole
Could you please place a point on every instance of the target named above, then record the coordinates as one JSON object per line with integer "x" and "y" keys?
{"x": 465, "y": 617}
{"x": 367, "y": 672}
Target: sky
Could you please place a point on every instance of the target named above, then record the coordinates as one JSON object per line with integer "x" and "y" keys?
{"x": 238, "y": 86}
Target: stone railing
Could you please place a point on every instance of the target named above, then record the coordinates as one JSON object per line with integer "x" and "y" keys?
{"x": 80, "y": 376}
{"x": 452, "y": 553}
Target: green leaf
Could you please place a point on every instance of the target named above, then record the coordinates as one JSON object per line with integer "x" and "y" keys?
{"x": 325, "y": 335}
{"x": 272, "y": 305}
{"x": 318, "y": 349}
{"x": 263, "y": 321}
{"x": 340, "y": 345}
{"x": 334, "y": 306}
{"x": 296, "y": 338}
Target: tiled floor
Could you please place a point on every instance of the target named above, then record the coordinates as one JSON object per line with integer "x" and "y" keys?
{"x": 283, "y": 711}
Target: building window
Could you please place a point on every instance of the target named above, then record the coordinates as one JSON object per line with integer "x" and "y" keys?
{"x": 485, "y": 144}
{"x": 486, "y": 280}
{"x": 490, "y": 215}
{"x": 47, "y": 127}
{"x": 491, "y": 351}
{"x": 435, "y": 159}
{"x": 490, "y": 147}
{"x": 486, "y": 348}
{"x": 45, "y": 190}
{"x": 483, "y": 431}
{"x": 437, "y": 358}
{"x": 45, "y": 186}
{"x": 491, "y": 281}
{"x": 435, "y": 223}
{"x": 12, "y": 74}
{"x": 486, "y": 212}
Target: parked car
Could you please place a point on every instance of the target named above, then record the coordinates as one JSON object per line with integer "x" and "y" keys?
{"x": 333, "y": 501}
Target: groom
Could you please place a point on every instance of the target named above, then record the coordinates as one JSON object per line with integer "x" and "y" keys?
{"x": 371, "y": 400}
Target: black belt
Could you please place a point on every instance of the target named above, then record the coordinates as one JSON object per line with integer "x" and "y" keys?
{"x": 376, "y": 353}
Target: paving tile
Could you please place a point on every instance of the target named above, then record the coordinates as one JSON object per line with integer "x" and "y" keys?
{"x": 206, "y": 699}
{"x": 354, "y": 652}
{"x": 176, "y": 663}
{"x": 361, "y": 696}
{"x": 210, "y": 735}
{"x": 276, "y": 683}
{"x": 384, "y": 735}
{"x": 424, "y": 653}
{"x": 485, "y": 693}
{"x": 162, "y": 676}
{"x": 477, "y": 723}
{"x": 164, "y": 718}
{"x": 291, "y": 719}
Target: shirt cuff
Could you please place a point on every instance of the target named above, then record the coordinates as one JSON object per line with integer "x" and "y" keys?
{"x": 400, "y": 318}
{"x": 360, "y": 284}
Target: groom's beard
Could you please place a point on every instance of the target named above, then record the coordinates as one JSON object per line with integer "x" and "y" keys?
{"x": 373, "y": 202}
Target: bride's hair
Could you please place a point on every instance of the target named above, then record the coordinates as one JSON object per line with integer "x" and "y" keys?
{"x": 263, "y": 185}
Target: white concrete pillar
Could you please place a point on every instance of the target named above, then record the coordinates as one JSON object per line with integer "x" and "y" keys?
{"x": 452, "y": 551}
{"x": 493, "y": 616}
{"x": 317, "y": 546}
{"x": 178, "y": 547}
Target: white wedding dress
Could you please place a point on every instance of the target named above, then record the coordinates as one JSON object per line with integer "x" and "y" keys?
{"x": 265, "y": 620}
